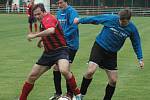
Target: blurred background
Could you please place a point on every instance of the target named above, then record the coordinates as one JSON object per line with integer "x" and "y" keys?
{"x": 84, "y": 7}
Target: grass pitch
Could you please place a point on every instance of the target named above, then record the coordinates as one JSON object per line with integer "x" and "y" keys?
{"x": 17, "y": 56}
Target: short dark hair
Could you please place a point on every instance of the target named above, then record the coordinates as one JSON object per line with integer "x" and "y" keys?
{"x": 64, "y": 1}
{"x": 125, "y": 14}
{"x": 39, "y": 5}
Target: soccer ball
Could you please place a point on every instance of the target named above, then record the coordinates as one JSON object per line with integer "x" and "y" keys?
{"x": 63, "y": 98}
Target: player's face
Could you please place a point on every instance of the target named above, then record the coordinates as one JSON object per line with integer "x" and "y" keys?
{"x": 124, "y": 22}
{"x": 38, "y": 14}
{"x": 61, "y": 4}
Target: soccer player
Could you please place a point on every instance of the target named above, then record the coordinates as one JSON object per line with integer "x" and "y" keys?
{"x": 66, "y": 15}
{"x": 55, "y": 52}
{"x": 31, "y": 18}
{"x": 109, "y": 41}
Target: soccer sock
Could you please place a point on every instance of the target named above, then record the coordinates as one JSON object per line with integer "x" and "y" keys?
{"x": 57, "y": 81}
{"x": 109, "y": 92}
{"x": 73, "y": 86}
{"x": 27, "y": 87}
{"x": 35, "y": 26}
{"x": 68, "y": 89}
{"x": 84, "y": 86}
{"x": 30, "y": 27}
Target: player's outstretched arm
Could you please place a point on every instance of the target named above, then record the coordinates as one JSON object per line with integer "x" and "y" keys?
{"x": 41, "y": 34}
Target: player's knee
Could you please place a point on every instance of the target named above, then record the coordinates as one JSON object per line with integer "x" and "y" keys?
{"x": 113, "y": 82}
{"x": 67, "y": 74}
{"x": 64, "y": 72}
{"x": 89, "y": 74}
{"x": 32, "y": 77}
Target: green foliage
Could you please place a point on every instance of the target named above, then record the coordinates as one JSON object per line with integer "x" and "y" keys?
{"x": 17, "y": 56}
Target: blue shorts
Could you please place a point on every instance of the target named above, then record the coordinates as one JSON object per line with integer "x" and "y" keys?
{"x": 51, "y": 58}
{"x": 103, "y": 58}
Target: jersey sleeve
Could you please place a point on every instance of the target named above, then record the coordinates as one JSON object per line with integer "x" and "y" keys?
{"x": 99, "y": 19}
{"x": 136, "y": 43}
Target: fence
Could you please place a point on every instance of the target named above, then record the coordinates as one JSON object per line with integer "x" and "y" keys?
{"x": 12, "y": 9}
{"x": 94, "y": 10}
{"x": 86, "y": 10}
{"x": 109, "y": 3}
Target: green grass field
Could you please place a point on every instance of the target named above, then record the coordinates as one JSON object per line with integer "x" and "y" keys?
{"x": 17, "y": 56}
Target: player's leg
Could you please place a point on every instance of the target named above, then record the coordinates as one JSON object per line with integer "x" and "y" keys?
{"x": 30, "y": 27}
{"x": 88, "y": 77}
{"x": 110, "y": 65}
{"x": 35, "y": 73}
{"x": 110, "y": 88}
{"x": 35, "y": 24}
{"x": 65, "y": 70}
{"x": 72, "y": 54}
{"x": 30, "y": 23}
{"x": 94, "y": 61}
{"x": 35, "y": 27}
{"x": 57, "y": 78}
{"x": 57, "y": 83}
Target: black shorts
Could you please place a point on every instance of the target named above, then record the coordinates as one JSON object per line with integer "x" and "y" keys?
{"x": 103, "y": 58}
{"x": 32, "y": 19}
{"x": 72, "y": 54}
{"x": 51, "y": 58}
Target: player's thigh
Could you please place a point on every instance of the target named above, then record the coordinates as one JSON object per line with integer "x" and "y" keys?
{"x": 55, "y": 67}
{"x": 63, "y": 65}
{"x": 38, "y": 70}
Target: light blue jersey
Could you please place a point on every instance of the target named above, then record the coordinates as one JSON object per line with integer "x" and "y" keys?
{"x": 113, "y": 36}
{"x": 66, "y": 18}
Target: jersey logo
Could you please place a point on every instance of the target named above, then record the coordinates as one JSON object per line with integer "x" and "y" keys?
{"x": 119, "y": 33}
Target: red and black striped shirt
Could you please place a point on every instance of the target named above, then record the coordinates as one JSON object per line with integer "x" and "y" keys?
{"x": 53, "y": 41}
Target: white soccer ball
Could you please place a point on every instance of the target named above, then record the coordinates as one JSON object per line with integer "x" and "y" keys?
{"x": 64, "y": 98}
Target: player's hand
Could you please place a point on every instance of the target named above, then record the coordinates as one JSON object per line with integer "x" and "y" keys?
{"x": 31, "y": 36}
{"x": 40, "y": 44}
{"x": 76, "y": 21}
{"x": 141, "y": 64}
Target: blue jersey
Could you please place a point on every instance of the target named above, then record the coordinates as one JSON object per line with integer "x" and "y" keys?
{"x": 66, "y": 18}
{"x": 113, "y": 36}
